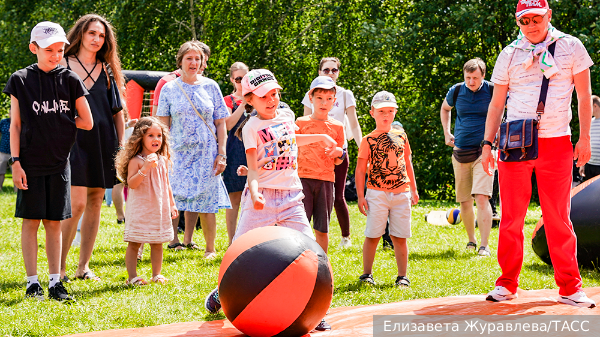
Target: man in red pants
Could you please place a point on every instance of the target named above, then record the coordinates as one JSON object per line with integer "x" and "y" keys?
{"x": 520, "y": 68}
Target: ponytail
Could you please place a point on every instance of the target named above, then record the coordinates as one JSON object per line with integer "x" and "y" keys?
{"x": 249, "y": 110}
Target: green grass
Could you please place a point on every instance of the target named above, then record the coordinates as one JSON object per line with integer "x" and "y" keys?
{"x": 438, "y": 266}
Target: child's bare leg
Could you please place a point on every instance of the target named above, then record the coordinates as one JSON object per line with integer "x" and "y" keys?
{"x": 89, "y": 228}
{"x": 322, "y": 239}
{"x": 209, "y": 229}
{"x": 369, "y": 249}
{"x": 53, "y": 243}
{"x": 117, "y": 196}
{"x": 401, "y": 252}
{"x": 156, "y": 257}
{"x": 190, "y": 225}
{"x": 231, "y": 215}
{"x": 29, "y": 245}
{"x": 175, "y": 223}
{"x": 131, "y": 259}
{"x": 69, "y": 226}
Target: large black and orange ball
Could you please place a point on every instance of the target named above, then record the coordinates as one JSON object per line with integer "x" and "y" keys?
{"x": 275, "y": 281}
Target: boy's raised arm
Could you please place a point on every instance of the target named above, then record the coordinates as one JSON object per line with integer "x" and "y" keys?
{"x": 84, "y": 119}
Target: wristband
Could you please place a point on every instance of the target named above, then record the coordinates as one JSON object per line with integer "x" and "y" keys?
{"x": 344, "y": 152}
{"x": 140, "y": 173}
{"x": 222, "y": 155}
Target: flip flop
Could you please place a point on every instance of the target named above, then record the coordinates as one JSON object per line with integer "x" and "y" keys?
{"x": 193, "y": 246}
{"x": 176, "y": 246}
{"x": 89, "y": 275}
{"x": 65, "y": 279}
{"x": 136, "y": 281}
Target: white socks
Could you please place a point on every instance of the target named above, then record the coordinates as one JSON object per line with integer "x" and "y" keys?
{"x": 54, "y": 279}
{"x": 31, "y": 280}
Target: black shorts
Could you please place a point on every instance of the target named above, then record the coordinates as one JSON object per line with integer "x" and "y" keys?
{"x": 318, "y": 202}
{"x": 47, "y": 197}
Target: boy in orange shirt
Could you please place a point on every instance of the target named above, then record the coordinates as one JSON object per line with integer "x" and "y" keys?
{"x": 315, "y": 163}
{"x": 391, "y": 186}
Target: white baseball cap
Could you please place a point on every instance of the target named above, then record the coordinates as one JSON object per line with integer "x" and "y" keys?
{"x": 47, "y": 33}
{"x": 259, "y": 82}
{"x": 384, "y": 99}
{"x": 323, "y": 82}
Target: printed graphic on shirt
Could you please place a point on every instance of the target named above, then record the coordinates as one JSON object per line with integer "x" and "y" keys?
{"x": 46, "y": 106}
{"x": 279, "y": 149}
{"x": 387, "y": 168}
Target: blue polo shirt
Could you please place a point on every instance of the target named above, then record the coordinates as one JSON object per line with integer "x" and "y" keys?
{"x": 471, "y": 112}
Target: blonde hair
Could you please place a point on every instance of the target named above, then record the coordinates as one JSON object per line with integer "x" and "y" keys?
{"x": 186, "y": 48}
{"x": 235, "y": 67}
{"x": 133, "y": 147}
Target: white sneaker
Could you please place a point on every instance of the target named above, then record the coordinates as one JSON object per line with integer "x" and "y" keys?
{"x": 345, "y": 243}
{"x": 77, "y": 241}
{"x": 484, "y": 251}
{"x": 500, "y": 294}
{"x": 578, "y": 299}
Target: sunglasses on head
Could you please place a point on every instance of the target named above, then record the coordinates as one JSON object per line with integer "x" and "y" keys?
{"x": 536, "y": 20}
{"x": 238, "y": 79}
{"x": 327, "y": 70}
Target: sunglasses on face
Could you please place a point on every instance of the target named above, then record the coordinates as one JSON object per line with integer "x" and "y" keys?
{"x": 327, "y": 70}
{"x": 536, "y": 20}
{"x": 238, "y": 79}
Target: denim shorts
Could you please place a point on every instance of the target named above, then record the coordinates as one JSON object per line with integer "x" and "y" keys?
{"x": 283, "y": 208}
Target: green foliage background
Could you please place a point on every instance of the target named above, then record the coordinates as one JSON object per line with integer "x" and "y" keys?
{"x": 414, "y": 49}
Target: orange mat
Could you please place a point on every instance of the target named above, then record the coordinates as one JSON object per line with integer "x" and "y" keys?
{"x": 358, "y": 321}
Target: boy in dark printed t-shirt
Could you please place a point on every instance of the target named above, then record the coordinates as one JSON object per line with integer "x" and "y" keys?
{"x": 48, "y": 105}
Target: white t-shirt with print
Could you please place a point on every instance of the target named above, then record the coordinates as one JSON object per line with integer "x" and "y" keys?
{"x": 524, "y": 85}
{"x": 338, "y": 112}
{"x": 274, "y": 138}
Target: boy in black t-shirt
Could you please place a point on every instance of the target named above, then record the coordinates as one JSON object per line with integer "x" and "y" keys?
{"x": 44, "y": 121}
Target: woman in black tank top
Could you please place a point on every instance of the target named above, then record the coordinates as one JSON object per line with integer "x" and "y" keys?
{"x": 91, "y": 55}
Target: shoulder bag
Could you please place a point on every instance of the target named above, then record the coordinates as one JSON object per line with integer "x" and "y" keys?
{"x": 519, "y": 139}
{"x": 114, "y": 97}
{"x": 194, "y": 107}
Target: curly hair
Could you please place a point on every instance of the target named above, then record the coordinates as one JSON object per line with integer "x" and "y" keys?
{"x": 133, "y": 146}
{"x": 109, "y": 52}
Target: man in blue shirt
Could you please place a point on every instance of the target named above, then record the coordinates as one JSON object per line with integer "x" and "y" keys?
{"x": 471, "y": 100}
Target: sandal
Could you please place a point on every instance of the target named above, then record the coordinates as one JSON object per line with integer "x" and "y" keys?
{"x": 159, "y": 279}
{"x": 367, "y": 279}
{"x": 402, "y": 281}
{"x": 89, "y": 275}
{"x": 210, "y": 255}
{"x": 121, "y": 221}
{"x": 136, "y": 281}
{"x": 176, "y": 246}
{"x": 65, "y": 279}
{"x": 192, "y": 246}
{"x": 471, "y": 246}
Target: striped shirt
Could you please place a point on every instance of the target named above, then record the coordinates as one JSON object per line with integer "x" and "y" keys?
{"x": 595, "y": 140}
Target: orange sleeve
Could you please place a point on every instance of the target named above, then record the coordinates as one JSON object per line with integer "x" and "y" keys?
{"x": 340, "y": 137}
{"x": 407, "y": 149}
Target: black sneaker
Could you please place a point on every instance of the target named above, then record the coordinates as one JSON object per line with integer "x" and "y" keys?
{"x": 59, "y": 293}
{"x": 35, "y": 291}
{"x": 323, "y": 326}
{"x": 402, "y": 281}
{"x": 367, "y": 278}
{"x": 212, "y": 302}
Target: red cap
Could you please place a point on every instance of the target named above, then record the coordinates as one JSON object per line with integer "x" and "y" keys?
{"x": 539, "y": 7}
